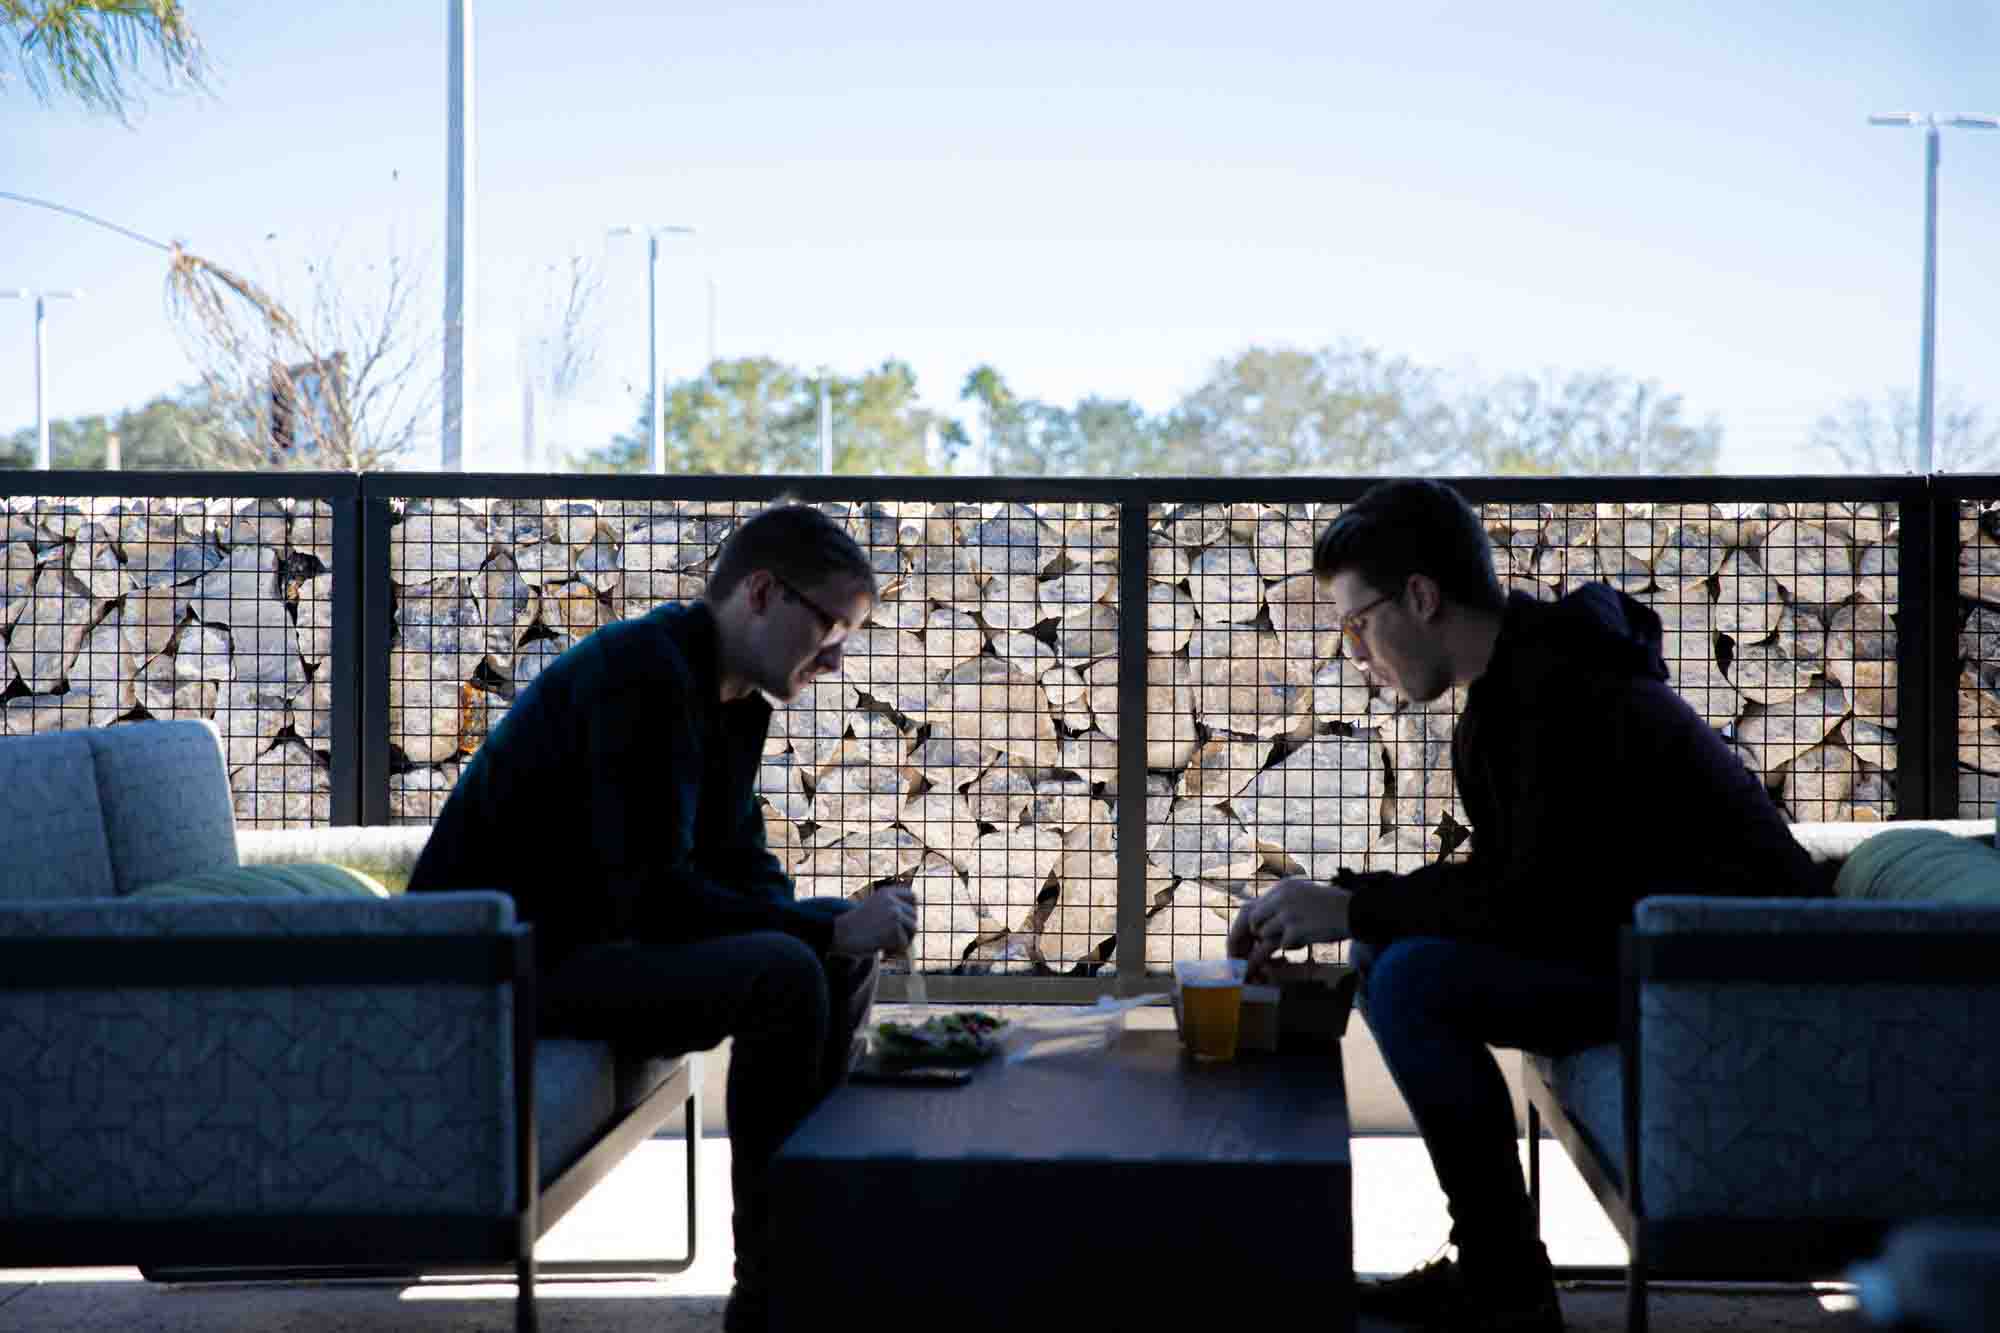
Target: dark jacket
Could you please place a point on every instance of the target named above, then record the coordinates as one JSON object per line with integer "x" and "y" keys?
{"x": 616, "y": 800}
{"x": 1589, "y": 785}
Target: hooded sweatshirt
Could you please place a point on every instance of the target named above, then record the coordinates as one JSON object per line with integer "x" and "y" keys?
{"x": 1589, "y": 785}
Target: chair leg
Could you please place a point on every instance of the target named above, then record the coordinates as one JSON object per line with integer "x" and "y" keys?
{"x": 1635, "y": 1297}
{"x": 524, "y": 1294}
{"x": 693, "y": 1143}
{"x": 1535, "y": 1166}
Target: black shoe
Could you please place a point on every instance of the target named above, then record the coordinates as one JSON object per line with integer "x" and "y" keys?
{"x": 1439, "y": 1296}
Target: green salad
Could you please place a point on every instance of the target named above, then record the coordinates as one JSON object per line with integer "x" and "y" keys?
{"x": 967, "y": 1036}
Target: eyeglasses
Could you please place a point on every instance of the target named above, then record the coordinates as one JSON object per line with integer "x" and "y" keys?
{"x": 1350, "y": 624}
{"x": 828, "y": 621}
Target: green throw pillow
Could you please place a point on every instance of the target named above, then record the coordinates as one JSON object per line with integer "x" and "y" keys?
{"x": 304, "y": 880}
{"x": 1921, "y": 865}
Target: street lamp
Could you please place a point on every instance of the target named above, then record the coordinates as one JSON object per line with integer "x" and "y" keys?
{"x": 652, "y": 232}
{"x": 41, "y": 300}
{"x": 1925, "y": 381}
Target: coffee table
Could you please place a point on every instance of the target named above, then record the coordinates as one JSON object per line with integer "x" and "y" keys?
{"x": 1108, "y": 1189}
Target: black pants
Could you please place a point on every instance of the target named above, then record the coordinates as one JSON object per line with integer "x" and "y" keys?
{"x": 1435, "y": 1006}
{"x": 792, "y": 1013}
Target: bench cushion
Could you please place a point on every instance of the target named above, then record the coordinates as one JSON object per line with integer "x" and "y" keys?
{"x": 165, "y": 797}
{"x": 1921, "y": 865}
{"x": 580, "y": 1088}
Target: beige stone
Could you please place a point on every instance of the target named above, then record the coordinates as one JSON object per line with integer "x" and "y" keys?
{"x": 815, "y": 723}
{"x": 258, "y": 522}
{"x": 312, "y": 713}
{"x": 1071, "y": 594}
{"x": 887, "y": 664}
{"x": 249, "y": 725}
{"x": 153, "y": 614}
{"x": 1226, "y": 585}
{"x": 1069, "y": 698}
{"x": 314, "y": 618}
{"x": 1283, "y": 546}
{"x": 1307, "y": 622}
{"x": 1748, "y": 604}
{"x": 424, "y": 706}
{"x": 1245, "y": 682}
{"x": 1820, "y": 780}
{"x": 438, "y": 538}
{"x": 50, "y": 630}
{"x": 1170, "y": 619}
{"x": 1088, "y": 638}
{"x": 1197, "y": 839}
{"x": 1812, "y": 564}
{"x": 1781, "y": 733}
{"x": 1341, "y": 690}
{"x": 34, "y": 714}
{"x": 861, "y": 795}
{"x": 1000, "y": 795}
{"x": 17, "y": 581}
{"x": 1223, "y": 767}
{"x": 948, "y": 761}
{"x": 1092, "y": 756}
{"x": 1007, "y": 869}
{"x": 1166, "y": 562}
{"x": 1061, "y": 803}
{"x": 988, "y": 701}
{"x": 417, "y": 795}
{"x": 1691, "y": 548}
{"x": 284, "y": 788}
{"x": 951, "y": 638}
{"x": 1192, "y": 923}
{"x": 1400, "y": 851}
{"x": 847, "y": 868}
{"x": 576, "y": 523}
{"x": 1196, "y": 525}
{"x": 942, "y": 820}
{"x": 1014, "y": 541}
{"x": 951, "y": 922}
{"x": 94, "y": 564}
{"x": 103, "y": 672}
{"x": 1782, "y": 667}
{"x": 943, "y": 573}
{"x": 1024, "y": 652}
{"x": 164, "y": 693}
{"x": 1320, "y": 805}
{"x": 1171, "y": 735}
{"x": 533, "y": 658}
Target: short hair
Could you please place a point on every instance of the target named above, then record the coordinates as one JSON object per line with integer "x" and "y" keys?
{"x": 1412, "y": 526}
{"x": 794, "y": 541}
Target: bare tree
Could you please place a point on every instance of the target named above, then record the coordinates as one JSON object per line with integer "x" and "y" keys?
{"x": 1879, "y": 435}
{"x": 349, "y": 385}
{"x": 560, "y": 340}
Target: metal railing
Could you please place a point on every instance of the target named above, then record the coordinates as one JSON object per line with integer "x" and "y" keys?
{"x": 1044, "y": 647}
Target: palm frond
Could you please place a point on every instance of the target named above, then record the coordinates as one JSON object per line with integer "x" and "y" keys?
{"x": 87, "y": 49}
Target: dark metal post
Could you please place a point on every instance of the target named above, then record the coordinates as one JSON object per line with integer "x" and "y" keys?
{"x": 341, "y": 663}
{"x": 1940, "y": 670}
{"x": 1916, "y": 650}
{"x": 372, "y": 670}
{"x": 1132, "y": 569}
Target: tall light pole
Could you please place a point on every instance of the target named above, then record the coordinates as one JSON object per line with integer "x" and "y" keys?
{"x": 1926, "y": 386}
{"x": 653, "y": 231}
{"x": 41, "y": 300}
{"x": 458, "y": 236}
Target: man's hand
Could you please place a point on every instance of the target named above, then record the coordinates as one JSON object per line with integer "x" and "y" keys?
{"x": 1294, "y": 912}
{"x": 884, "y": 920}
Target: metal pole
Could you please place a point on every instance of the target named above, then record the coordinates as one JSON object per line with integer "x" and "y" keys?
{"x": 458, "y": 294}
{"x": 42, "y": 460}
{"x": 1926, "y": 386}
{"x": 653, "y": 351}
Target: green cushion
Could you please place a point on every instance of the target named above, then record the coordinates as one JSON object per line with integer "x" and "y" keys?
{"x": 304, "y": 880}
{"x": 1921, "y": 865}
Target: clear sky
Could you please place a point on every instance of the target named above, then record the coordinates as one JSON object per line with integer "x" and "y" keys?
{"x": 1096, "y": 197}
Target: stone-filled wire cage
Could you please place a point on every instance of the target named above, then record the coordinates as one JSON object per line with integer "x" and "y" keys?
{"x": 120, "y": 609}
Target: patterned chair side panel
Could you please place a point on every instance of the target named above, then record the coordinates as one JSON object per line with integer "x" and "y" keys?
{"x": 52, "y": 843}
{"x": 1822, "y": 1100}
{"x": 166, "y": 801}
{"x": 153, "y": 1102}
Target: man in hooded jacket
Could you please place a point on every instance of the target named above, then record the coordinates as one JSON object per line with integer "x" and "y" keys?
{"x": 1589, "y": 784}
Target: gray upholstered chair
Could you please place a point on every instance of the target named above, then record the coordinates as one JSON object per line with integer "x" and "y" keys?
{"x": 274, "y": 1086}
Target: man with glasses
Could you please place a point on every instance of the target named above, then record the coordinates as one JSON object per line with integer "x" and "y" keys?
{"x": 615, "y": 803}
{"x": 1571, "y": 754}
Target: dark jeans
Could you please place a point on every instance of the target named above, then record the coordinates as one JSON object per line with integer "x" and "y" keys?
{"x": 1434, "y": 1007}
{"x": 792, "y": 1013}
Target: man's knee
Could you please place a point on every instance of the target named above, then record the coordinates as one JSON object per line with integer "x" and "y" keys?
{"x": 788, "y": 972}
{"x": 1402, "y": 976}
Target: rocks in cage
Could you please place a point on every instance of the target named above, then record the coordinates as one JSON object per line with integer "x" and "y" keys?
{"x": 541, "y": 564}
{"x": 1171, "y": 734}
{"x": 33, "y": 714}
{"x": 781, "y": 837}
{"x": 1015, "y": 540}
{"x": 161, "y": 690}
{"x": 1245, "y": 682}
{"x": 518, "y": 522}
{"x": 417, "y": 795}
{"x": 858, "y": 794}
{"x": 575, "y": 523}
{"x": 599, "y": 566}
{"x": 1401, "y": 850}
{"x": 1875, "y": 574}
{"x": 1342, "y": 691}
{"x": 873, "y": 738}
{"x": 17, "y": 581}
{"x": 814, "y": 724}
{"x": 1025, "y": 653}
{"x": 1000, "y": 796}
{"x": 946, "y": 761}
{"x": 312, "y": 713}
{"x": 1091, "y": 756}
{"x": 438, "y": 538}
{"x": 1166, "y": 562}
{"x": 943, "y": 573}
{"x": 845, "y": 868}
{"x": 94, "y": 564}
{"x": 1690, "y": 549}
{"x": 1069, "y": 698}
{"x": 1747, "y": 603}
{"x": 1419, "y": 748}
{"x": 1191, "y": 921}
{"x": 264, "y": 521}
{"x": 942, "y": 820}
{"x": 1068, "y": 595}
{"x": 49, "y": 630}
{"x": 1780, "y": 733}
{"x": 1978, "y": 793}
{"x": 1810, "y": 563}
{"x": 1088, "y": 638}
{"x": 1307, "y": 621}
{"x": 102, "y": 673}
{"x": 154, "y": 564}
{"x": 285, "y": 786}
{"x": 1063, "y": 804}
{"x": 250, "y": 723}
{"x": 59, "y": 519}
{"x": 1319, "y": 804}
{"x": 313, "y": 617}
{"x": 1171, "y": 620}
{"x": 1226, "y": 585}
{"x": 424, "y": 706}
{"x": 886, "y": 664}
{"x": 1007, "y": 870}
{"x": 201, "y": 652}
{"x": 533, "y": 657}
{"x": 1283, "y": 546}
{"x": 573, "y": 608}
{"x": 986, "y": 700}
{"x": 1200, "y": 840}
{"x": 1819, "y": 781}
{"x": 1873, "y": 797}
{"x": 1222, "y": 767}
{"x": 1783, "y": 666}
{"x": 1011, "y": 602}
{"x": 951, "y": 922}
{"x": 950, "y": 637}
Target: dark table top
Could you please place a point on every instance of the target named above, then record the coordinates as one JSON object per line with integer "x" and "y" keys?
{"x": 1141, "y": 1100}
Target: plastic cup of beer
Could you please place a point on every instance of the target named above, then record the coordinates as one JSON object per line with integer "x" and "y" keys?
{"x": 1211, "y": 1005}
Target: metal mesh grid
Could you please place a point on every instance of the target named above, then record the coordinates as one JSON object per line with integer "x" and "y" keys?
{"x": 1270, "y": 753}
{"x": 960, "y": 749}
{"x": 1978, "y": 610}
{"x": 119, "y": 610}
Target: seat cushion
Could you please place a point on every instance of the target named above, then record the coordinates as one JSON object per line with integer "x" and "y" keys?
{"x": 1921, "y": 865}
{"x": 166, "y": 801}
{"x": 1589, "y": 1086}
{"x": 303, "y": 879}
{"x": 52, "y": 842}
{"x": 580, "y": 1088}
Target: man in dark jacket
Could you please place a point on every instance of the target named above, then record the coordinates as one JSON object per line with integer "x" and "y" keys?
{"x": 615, "y": 804}
{"x": 1589, "y": 784}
